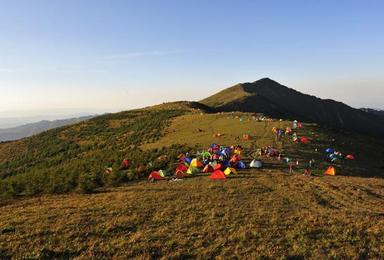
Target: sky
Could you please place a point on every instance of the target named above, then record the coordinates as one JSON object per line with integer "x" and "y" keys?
{"x": 76, "y": 56}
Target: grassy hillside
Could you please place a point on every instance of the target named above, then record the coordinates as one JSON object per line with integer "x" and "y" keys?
{"x": 226, "y": 96}
{"x": 256, "y": 214}
{"x": 75, "y": 157}
{"x": 275, "y": 100}
{"x": 266, "y": 213}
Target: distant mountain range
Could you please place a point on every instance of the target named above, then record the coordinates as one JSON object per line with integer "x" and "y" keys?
{"x": 373, "y": 111}
{"x": 26, "y": 130}
{"x": 273, "y": 99}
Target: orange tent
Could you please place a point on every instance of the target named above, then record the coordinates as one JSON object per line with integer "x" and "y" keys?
{"x": 217, "y": 175}
{"x": 331, "y": 171}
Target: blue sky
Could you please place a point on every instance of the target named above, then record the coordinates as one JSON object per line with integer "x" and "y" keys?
{"x": 91, "y": 55}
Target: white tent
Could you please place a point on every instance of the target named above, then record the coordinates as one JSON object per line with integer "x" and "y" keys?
{"x": 256, "y": 164}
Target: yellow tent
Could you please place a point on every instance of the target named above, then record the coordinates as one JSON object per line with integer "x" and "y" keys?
{"x": 193, "y": 170}
{"x": 330, "y": 171}
{"x": 230, "y": 170}
{"x": 196, "y": 164}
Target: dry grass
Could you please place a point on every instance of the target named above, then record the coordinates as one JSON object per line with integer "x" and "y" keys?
{"x": 260, "y": 213}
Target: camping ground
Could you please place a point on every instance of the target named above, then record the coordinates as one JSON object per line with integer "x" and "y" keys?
{"x": 265, "y": 213}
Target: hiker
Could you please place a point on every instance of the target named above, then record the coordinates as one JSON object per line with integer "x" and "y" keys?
{"x": 290, "y": 168}
{"x": 307, "y": 172}
{"x": 312, "y": 163}
{"x": 294, "y": 137}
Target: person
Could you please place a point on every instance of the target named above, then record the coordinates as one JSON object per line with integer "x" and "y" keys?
{"x": 312, "y": 163}
{"x": 294, "y": 137}
{"x": 290, "y": 168}
{"x": 307, "y": 172}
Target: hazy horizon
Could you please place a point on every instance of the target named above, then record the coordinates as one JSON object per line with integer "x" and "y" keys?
{"x": 107, "y": 56}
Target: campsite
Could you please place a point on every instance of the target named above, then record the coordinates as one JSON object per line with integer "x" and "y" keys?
{"x": 260, "y": 210}
{"x": 168, "y": 129}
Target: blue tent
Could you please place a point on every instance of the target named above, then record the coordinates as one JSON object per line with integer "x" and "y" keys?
{"x": 188, "y": 160}
{"x": 241, "y": 165}
{"x": 329, "y": 150}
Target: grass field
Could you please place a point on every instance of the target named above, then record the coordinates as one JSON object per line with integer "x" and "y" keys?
{"x": 256, "y": 214}
{"x": 231, "y": 126}
{"x": 266, "y": 213}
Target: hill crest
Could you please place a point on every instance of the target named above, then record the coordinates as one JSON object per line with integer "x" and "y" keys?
{"x": 273, "y": 99}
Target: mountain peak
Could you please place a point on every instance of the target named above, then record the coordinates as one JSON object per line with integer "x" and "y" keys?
{"x": 275, "y": 100}
{"x": 266, "y": 81}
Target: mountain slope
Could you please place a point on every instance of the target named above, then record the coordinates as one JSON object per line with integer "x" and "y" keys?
{"x": 27, "y": 130}
{"x": 270, "y": 98}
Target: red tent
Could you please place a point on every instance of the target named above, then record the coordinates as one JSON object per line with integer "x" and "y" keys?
{"x": 208, "y": 169}
{"x": 180, "y": 174}
{"x": 182, "y": 168}
{"x": 235, "y": 158}
{"x": 125, "y": 164}
{"x": 217, "y": 167}
{"x": 304, "y": 140}
{"x": 217, "y": 175}
{"x": 350, "y": 157}
{"x": 154, "y": 176}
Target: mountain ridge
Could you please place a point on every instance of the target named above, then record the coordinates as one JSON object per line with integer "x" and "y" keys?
{"x": 27, "y": 130}
{"x": 273, "y": 99}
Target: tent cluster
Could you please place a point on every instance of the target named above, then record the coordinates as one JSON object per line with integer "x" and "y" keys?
{"x": 332, "y": 155}
{"x": 217, "y": 161}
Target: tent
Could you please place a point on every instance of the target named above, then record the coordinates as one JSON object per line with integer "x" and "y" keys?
{"x": 256, "y": 164}
{"x": 187, "y": 160}
{"x": 197, "y": 164}
{"x": 329, "y": 150}
{"x": 330, "y": 171}
{"x": 193, "y": 170}
{"x": 206, "y": 155}
{"x": 217, "y": 167}
{"x": 163, "y": 173}
{"x": 241, "y": 165}
{"x": 217, "y": 175}
{"x": 125, "y": 164}
{"x": 237, "y": 151}
{"x": 229, "y": 171}
{"x": 225, "y": 164}
{"x": 235, "y": 158}
{"x": 180, "y": 174}
{"x": 304, "y": 140}
{"x": 350, "y": 157}
{"x": 154, "y": 176}
{"x": 208, "y": 168}
{"x": 182, "y": 168}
